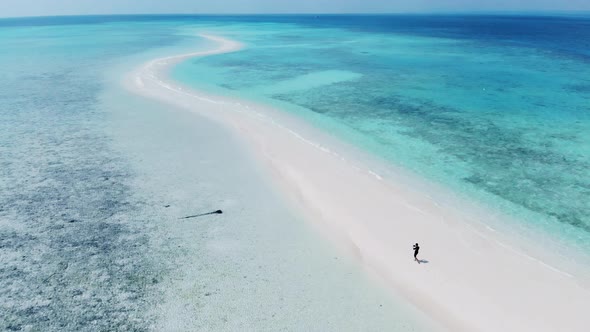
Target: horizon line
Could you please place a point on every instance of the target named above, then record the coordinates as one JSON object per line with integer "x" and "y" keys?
{"x": 424, "y": 13}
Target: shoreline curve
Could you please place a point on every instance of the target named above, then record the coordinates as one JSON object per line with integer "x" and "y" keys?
{"x": 376, "y": 220}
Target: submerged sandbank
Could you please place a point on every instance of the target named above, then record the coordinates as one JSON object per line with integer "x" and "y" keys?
{"x": 470, "y": 280}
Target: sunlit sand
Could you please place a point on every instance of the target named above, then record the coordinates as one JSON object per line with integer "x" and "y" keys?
{"x": 470, "y": 278}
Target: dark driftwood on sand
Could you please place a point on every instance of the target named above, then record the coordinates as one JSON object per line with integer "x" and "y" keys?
{"x": 203, "y": 214}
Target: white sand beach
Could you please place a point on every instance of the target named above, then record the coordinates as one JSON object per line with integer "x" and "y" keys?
{"x": 472, "y": 278}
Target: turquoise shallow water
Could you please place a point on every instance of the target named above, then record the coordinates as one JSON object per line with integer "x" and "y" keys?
{"x": 94, "y": 181}
{"x": 495, "y": 108}
{"x": 73, "y": 244}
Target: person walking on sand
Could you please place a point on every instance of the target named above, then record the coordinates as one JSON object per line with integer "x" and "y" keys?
{"x": 416, "y": 249}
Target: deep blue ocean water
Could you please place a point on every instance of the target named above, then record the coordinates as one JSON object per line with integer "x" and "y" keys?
{"x": 496, "y": 108}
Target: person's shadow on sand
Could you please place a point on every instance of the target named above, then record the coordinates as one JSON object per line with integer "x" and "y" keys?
{"x": 422, "y": 261}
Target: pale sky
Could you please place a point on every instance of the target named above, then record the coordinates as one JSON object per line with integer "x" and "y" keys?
{"x": 10, "y": 8}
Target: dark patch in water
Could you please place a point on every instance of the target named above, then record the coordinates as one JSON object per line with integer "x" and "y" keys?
{"x": 502, "y": 161}
{"x": 577, "y": 88}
